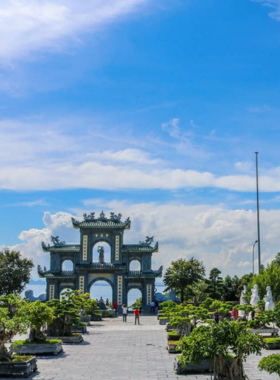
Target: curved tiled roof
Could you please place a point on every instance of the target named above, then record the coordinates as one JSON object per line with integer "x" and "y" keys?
{"x": 61, "y": 248}
{"x": 134, "y": 248}
{"x": 63, "y": 274}
{"x": 103, "y": 223}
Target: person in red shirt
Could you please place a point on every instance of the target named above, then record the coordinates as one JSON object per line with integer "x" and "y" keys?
{"x": 115, "y": 306}
{"x": 234, "y": 314}
{"x": 137, "y": 316}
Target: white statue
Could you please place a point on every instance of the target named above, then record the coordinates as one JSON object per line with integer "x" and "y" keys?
{"x": 241, "y": 313}
{"x": 269, "y": 304}
{"x": 255, "y": 296}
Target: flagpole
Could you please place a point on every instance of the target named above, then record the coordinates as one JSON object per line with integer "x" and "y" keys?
{"x": 258, "y": 211}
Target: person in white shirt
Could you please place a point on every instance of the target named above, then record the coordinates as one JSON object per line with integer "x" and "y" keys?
{"x": 152, "y": 306}
{"x": 124, "y": 311}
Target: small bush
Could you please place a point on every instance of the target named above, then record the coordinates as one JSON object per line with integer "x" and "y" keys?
{"x": 21, "y": 358}
{"x": 270, "y": 364}
{"x": 272, "y": 340}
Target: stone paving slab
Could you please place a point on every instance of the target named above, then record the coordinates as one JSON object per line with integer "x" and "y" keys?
{"x": 113, "y": 350}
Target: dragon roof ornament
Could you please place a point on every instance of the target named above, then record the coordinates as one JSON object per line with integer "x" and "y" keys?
{"x": 147, "y": 242}
{"x": 91, "y": 221}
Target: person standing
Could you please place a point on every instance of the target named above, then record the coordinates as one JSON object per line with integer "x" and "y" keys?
{"x": 156, "y": 306}
{"x": 152, "y": 306}
{"x": 124, "y": 312}
{"x": 115, "y": 306}
{"x": 234, "y": 314}
{"x": 137, "y": 315}
{"x": 216, "y": 316}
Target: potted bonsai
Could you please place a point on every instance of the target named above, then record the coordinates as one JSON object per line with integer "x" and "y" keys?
{"x": 211, "y": 346}
{"x": 66, "y": 315}
{"x": 85, "y": 305}
{"x": 38, "y": 314}
{"x": 13, "y": 322}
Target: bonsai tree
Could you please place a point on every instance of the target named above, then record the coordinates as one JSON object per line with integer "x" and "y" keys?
{"x": 182, "y": 324}
{"x": 82, "y": 301}
{"x": 65, "y": 316}
{"x": 38, "y": 314}
{"x": 10, "y": 325}
{"x": 270, "y": 364}
{"x": 197, "y": 314}
{"x": 207, "y": 303}
{"x": 215, "y": 342}
{"x": 12, "y": 302}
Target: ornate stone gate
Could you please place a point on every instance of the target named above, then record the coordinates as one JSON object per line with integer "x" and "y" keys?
{"x": 116, "y": 272}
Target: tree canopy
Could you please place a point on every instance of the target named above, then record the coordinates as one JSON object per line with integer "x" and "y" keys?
{"x": 15, "y": 272}
{"x": 215, "y": 284}
{"x": 183, "y": 274}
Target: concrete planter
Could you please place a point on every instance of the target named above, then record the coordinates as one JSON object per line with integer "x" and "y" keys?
{"x": 173, "y": 337}
{"x": 169, "y": 328}
{"x": 79, "y": 329}
{"x": 163, "y": 321}
{"x": 160, "y": 315}
{"x": 37, "y": 349}
{"x": 264, "y": 331}
{"x": 172, "y": 345}
{"x": 273, "y": 346}
{"x": 96, "y": 318}
{"x": 75, "y": 339}
{"x": 204, "y": 366}
{"x": 85, "y": 318}
{"x": 19, "y": 369}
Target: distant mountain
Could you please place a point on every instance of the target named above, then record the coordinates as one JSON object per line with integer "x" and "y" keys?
{"x": 37, "y": 282}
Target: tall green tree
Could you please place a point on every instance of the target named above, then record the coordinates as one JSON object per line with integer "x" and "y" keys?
{"x": 215, "y": 284}
{"x": 15, "y": 272}
{"x": 231, "y": 291}
{"x": 182, "y": 274}
{"x": 199, "y": 292}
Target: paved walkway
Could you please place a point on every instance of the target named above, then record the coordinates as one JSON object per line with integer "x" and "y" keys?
{"x": 113, "y": 350}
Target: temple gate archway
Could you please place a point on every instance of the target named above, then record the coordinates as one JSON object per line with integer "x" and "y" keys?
{"x": 111, "y": 265}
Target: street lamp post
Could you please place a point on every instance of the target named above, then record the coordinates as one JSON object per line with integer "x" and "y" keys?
{"x": 254, "y": 256}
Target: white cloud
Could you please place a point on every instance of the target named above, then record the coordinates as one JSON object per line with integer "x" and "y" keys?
{"x": 184, "y": 138}
{"x": 220, "y": 237}
{"x": 261, "y": 109}
{"x": 172, "y": 128}
{"x": 244, "y": 166}
{"x": 38, "y": 202}
{"x": 38, "y": 155}
{"x": 28, "y": 26}
{"x": 274, "y": 4}
{"x": 125, "y": 156}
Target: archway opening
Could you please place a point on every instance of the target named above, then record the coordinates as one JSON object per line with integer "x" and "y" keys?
{"x": 102, "y": 289}
{"x": 133, "y": 296}
{"x": 135, "y": 265}
{"x": 67, "y": 265}
{"x": 101, "y": 252}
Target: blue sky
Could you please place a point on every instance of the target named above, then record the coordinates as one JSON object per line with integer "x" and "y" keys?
{"x": 149, "y": 108}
